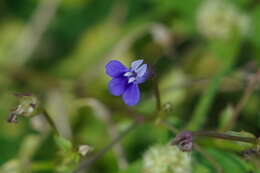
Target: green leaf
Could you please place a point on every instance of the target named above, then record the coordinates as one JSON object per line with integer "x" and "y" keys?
{"x": 225, "y": 51}
{"x": 226, "y": 161}
{"x": 229, "y": 161}
{"x": 225, "y": 116}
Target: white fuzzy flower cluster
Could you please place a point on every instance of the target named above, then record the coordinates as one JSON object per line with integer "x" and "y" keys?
{"x": 166, "y": 159}
{"x": 218, "y": 19}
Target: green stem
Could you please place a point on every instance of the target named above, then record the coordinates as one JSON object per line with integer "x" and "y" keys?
{"x": 158, "y": 114}
{"x": 42, "y": 166}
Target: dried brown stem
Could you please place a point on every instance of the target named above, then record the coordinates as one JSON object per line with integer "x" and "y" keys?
{"x": 246, "y": 95}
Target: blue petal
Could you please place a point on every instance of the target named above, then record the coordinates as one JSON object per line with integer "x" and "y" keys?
{"x": 142, "y": 79}
{"x": 141, "y": 70}
{"x": 117, "y": 86}
{"x": 115, "y": 68}
{"x": 131, "y": 95}
{"x": 136, "y": 64}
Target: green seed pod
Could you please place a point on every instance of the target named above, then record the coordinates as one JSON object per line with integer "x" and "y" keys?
{"x": 166, "y": 159}
{"x": 28, "y": 106}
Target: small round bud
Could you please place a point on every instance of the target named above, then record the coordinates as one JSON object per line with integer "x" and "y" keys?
{"x": 166, "y": 159}
{"x": 184, "y": 141}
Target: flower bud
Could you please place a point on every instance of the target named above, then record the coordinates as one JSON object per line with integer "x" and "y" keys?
{"x": 166, "y": 159}
{"x": 184, "y": 141}
{"x": 84, "y": 149}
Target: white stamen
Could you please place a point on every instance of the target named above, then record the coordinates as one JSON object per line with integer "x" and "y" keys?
{"x": 131, "y": 79}
{"x": 127, "y": 74}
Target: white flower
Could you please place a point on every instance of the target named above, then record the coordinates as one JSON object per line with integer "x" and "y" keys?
{"x": 218, "y": 19}
{"x": 166, "y": 159}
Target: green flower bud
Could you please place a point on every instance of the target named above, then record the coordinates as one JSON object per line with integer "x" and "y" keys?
{"x": 166, "y": 159}
{"x": 167, "y": 107}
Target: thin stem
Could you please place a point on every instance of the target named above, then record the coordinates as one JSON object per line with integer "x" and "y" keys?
{"x": 50, "y": 121}
{"x": 225, "y": 136}
{"x": 169, "y": 126}
{"x": 86, "y": 164}
{"x": 157, "y": 94}
{"x": 104, "y": 114}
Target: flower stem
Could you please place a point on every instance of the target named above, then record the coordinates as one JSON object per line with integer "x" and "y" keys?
{"x": 158, "y": 113}
{"x": 157, "y": 94}
{"x": 225, "y": 136}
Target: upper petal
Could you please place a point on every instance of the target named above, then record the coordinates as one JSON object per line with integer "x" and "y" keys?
{"x": 115, "y": 68}
{"x": 136, "y": 64}
{"x": 141, "y": 70}
{"x": 117, "y": 86}
{"x": 131, "y": 95}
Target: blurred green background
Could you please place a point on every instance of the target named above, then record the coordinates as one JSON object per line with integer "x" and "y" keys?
{"x": 205, "y": 53}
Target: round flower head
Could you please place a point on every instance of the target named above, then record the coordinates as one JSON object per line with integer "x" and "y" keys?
{"x": 125, "y": 80}
{"x": 166, "y": 159}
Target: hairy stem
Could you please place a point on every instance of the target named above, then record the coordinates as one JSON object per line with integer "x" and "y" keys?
{"x": 225, "y": 136}
{"x": 157, "y": 94}
{"x": 50, "y": 121}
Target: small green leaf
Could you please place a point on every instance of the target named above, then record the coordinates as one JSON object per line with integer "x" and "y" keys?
{"x": 63, "y": 143}
{"x": 225, "y": 116}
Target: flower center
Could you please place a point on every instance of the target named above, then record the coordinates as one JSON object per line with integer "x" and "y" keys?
{"x": 131, "y": 75}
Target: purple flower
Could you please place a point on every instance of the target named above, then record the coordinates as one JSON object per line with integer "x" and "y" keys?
{"x": 125, "y": 81}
